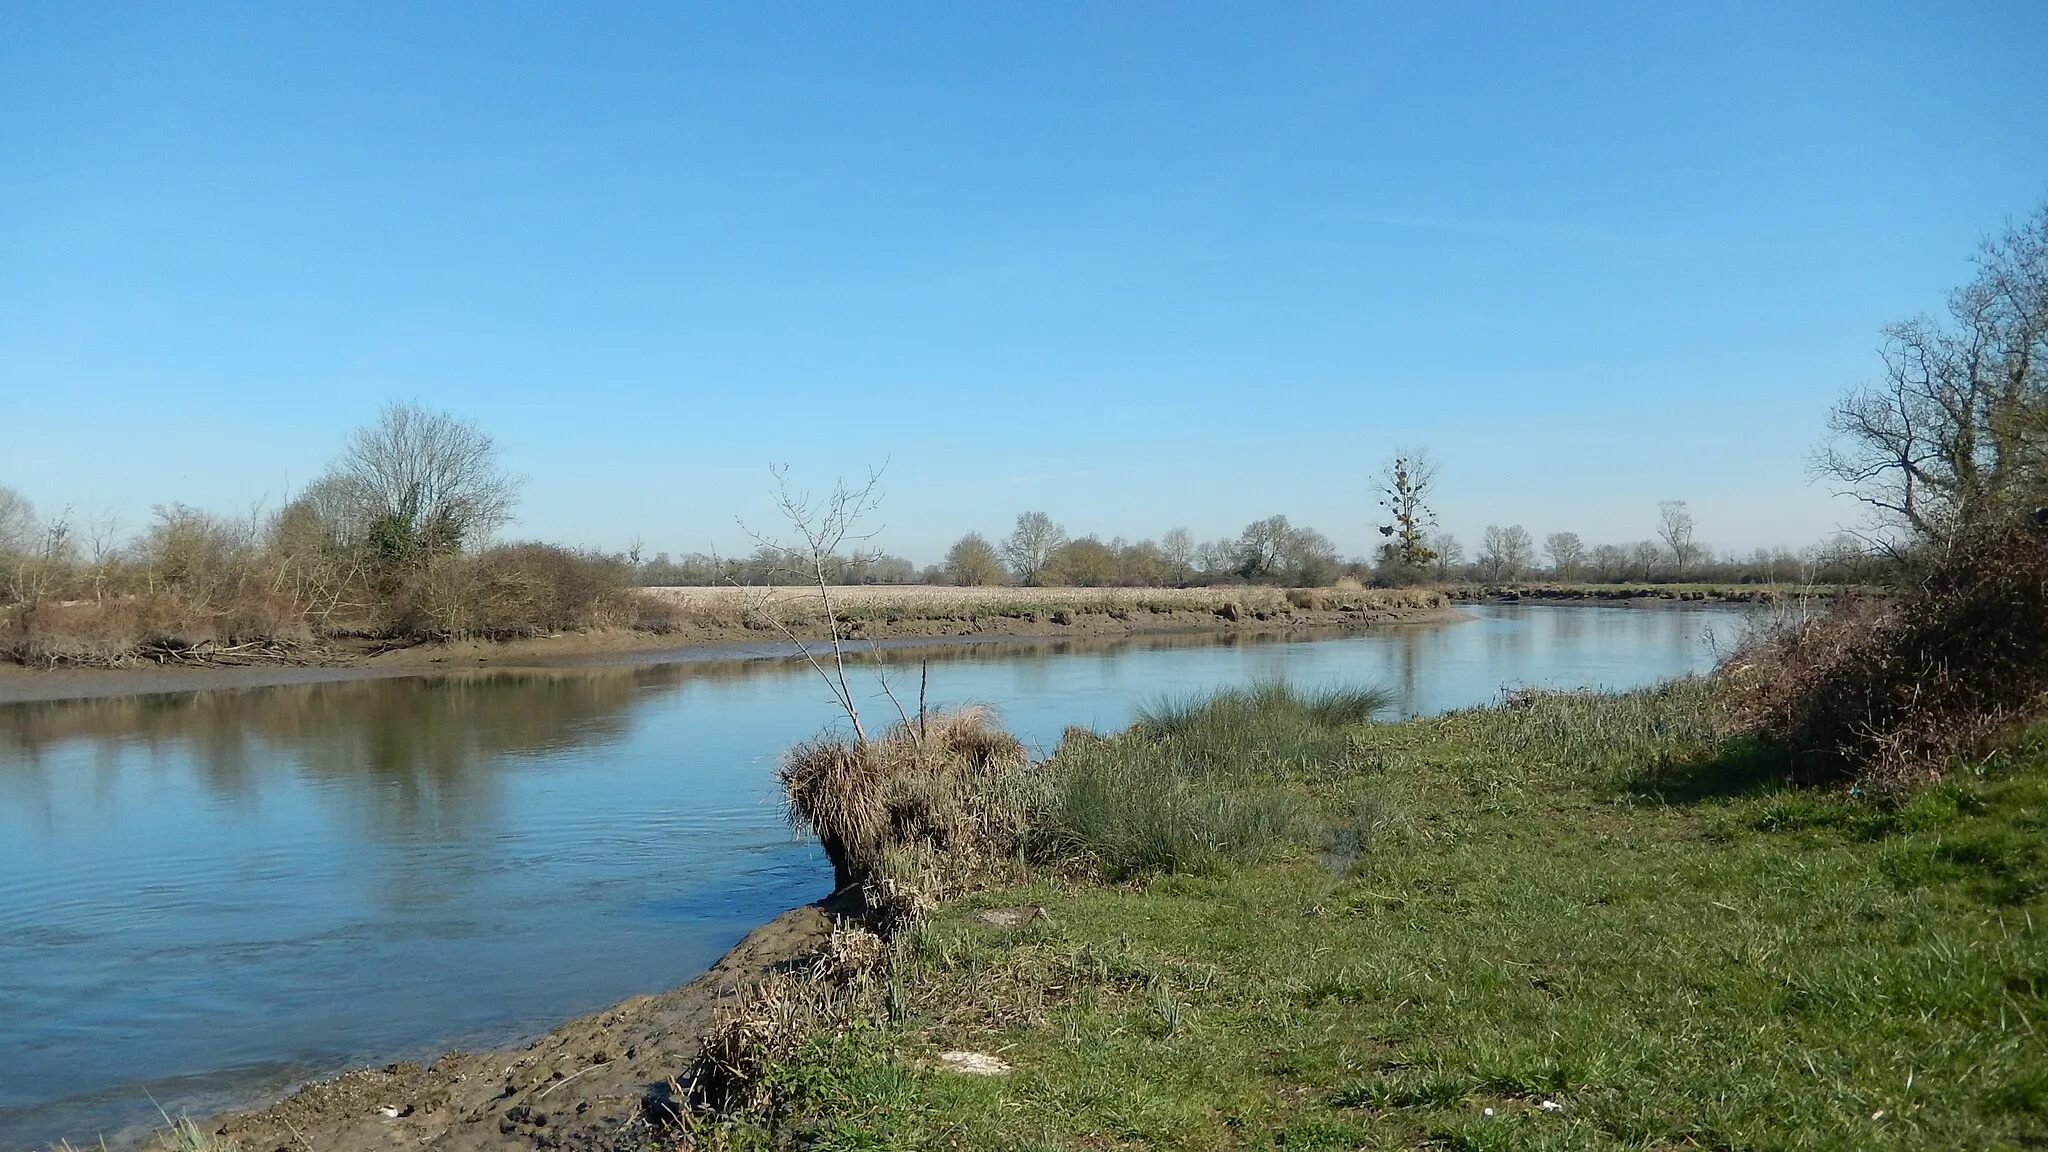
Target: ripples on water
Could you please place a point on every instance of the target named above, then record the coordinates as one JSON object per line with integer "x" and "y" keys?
{"x": 208, "y": 896}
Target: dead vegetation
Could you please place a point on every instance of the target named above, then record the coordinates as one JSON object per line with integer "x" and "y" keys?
{"x": 1886, "y": 693}
{"x": 934, "y": 783}
{"x": 887, "y": 601}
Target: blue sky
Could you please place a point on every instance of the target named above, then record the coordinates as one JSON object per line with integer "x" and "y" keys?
{"x": 1137, "y": 265}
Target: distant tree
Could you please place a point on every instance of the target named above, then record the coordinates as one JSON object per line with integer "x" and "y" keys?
{"x": 972, "y": 561}
{"x": 1083, "y": 563}
{"x": 17, "y": 523}
{"x": 1029, "y": 548}
{"x": 1674, "y": 528}
{"x": 1644, "y": 557}
{"x": 872, "y": 567}
{"x": 1958, "y": 428}
{"x": 1215, "y": 558}
{"x": 1177, "y": 551}
{"x": 1404, "y": 485}
{"x": 418, "y": 483}
{"x": 1567, "y": 554}
{"x": 1505, "y": 553}
{"x": 1259, "y": 548}
{"x": 1449, "y": 554}
{"x": 1610, "y": 562}
{"x": 1390, "y": 571}
{"x": 1308, "y": 559}
{"x": 1143, "y": 563}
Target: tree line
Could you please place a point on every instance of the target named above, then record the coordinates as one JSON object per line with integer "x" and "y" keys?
{"x": 395, "y": 540}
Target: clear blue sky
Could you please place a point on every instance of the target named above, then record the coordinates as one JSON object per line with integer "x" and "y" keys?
{"x": 1137, "y": 265}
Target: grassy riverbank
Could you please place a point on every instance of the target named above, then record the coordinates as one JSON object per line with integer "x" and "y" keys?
{"x": 1564, "y": 922}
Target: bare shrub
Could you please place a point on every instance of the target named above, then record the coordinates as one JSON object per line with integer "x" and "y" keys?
{"x": 1886, "y": 692}
{"x": 515, "y": 590}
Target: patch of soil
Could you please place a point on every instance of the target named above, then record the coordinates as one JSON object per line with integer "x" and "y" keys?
{"x": 592, "y": 1083}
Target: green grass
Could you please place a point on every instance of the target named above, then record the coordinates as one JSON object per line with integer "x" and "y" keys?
{"x": 1198, "y": 784}
{"x": 1582, "y": 900}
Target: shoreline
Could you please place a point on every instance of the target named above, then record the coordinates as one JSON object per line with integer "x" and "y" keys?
{"x": 465, "y": 1100}
{"x": 589, "y": 1079}
{"x": 691, "y": 644}
{"x": 586, "y": 1083}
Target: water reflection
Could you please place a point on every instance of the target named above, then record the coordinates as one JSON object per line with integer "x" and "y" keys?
{"x": 203, "y": 895}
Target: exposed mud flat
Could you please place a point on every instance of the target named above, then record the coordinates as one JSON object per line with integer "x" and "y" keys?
{"x": 593, "y": 1083}
{"x": 694, "y": 640}
{"x": 1639, "y": 596}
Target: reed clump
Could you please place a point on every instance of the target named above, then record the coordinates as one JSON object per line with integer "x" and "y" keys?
{"x": 946, "y": 783}
{"x": 1198, "y": 783}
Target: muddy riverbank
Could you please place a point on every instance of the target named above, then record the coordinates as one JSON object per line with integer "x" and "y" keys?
{"x": 593, "y": 1083}
{"x": 723, "y": 638}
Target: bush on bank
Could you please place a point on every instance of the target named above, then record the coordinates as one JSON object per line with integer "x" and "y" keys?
{"x": 1891, "y": 693}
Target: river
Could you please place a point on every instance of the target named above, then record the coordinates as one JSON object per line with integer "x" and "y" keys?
{"x": 208, "y": 897}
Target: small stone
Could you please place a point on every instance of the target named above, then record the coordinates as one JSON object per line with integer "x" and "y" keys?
{"x": 974, "y": 1063}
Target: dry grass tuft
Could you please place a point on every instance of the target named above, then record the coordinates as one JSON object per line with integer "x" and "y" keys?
{"x": 934, "y": 784}
{"x": 763, "y": 1025}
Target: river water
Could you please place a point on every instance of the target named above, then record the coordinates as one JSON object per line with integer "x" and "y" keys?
{"x": 207, "y": 897}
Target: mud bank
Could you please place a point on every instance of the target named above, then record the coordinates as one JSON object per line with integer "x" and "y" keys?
{"x": 593, "y": 1083}
{"x": 691, "y": 641}
{"x": 1631, "y": 596}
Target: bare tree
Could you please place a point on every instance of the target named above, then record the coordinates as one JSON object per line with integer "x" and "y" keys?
{"x": 1674, "y": 528}
{"x": 821, "y": 528}
{"x": 1404, "y": 485}
{"x": 1644, "y": 556}
{"x": 1958, "y": 428}
{"x": 1505, "y": 553}
{"x": 972, "y": 560}
{"x": 38, "y": 569}
{"x": 1308, "y": 557}
{"x": 102, "y": 548}
{"x": 17, "y": 523}
{"x": 1260, "y": 546}
{"x": 1177, "y": 550}
{"x": 1567, "y": 553}
{"x": 1610, "y": 562}
{"x": 426, "y": 483}
{"x": 1449, "y": 554}
{"x": 1029, "y": 548}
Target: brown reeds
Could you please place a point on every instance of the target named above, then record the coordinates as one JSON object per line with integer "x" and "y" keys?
{"x": 934, "y": 782}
